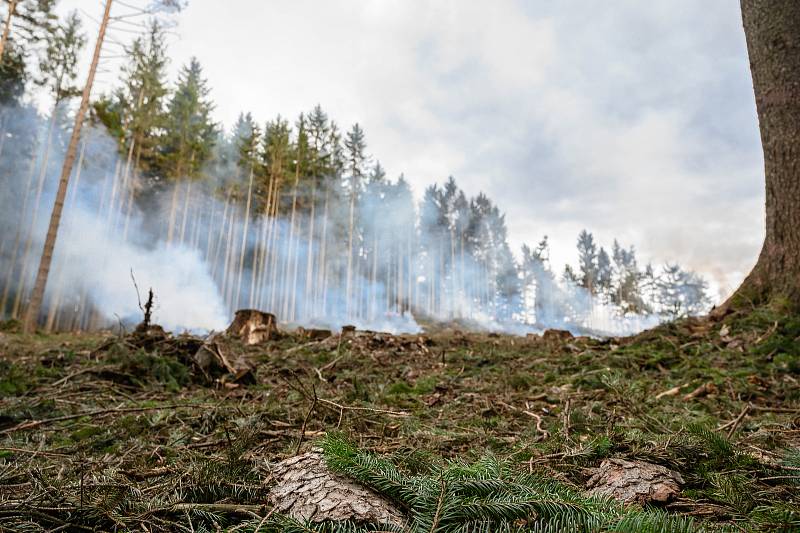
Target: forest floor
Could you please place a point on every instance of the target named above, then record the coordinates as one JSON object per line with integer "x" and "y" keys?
{"x": 106, "y": 432}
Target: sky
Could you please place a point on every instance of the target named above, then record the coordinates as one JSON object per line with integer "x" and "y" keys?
{"x": 635, "y": 120}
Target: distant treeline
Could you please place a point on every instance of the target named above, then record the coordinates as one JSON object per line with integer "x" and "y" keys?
{"x": 294, "y": 217}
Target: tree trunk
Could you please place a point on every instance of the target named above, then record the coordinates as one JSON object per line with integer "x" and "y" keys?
{"x": 288, "y": 290}
{"x": 308, "y": 300}
{"x": 348, "y": 288}
{"x": 245, "y": 229}
{"x": 7, "y": 27}
{"x": 37, "y": 296}
{"x": 772, "y": 29}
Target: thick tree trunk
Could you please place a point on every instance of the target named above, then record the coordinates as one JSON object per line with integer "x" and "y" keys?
{"x": 772, "y": 29}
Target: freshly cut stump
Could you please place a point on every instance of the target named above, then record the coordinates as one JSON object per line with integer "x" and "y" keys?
{"x": 305, "y": 489}
{"x": 635, "y": 482}
{"x": 252, "y": 326}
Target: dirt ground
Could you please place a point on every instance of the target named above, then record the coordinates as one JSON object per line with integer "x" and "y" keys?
{"x": 129, "y": 432}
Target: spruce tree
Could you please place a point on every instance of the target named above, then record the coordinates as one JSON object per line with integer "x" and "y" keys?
{"x": 13, "y": 75}
{"x": 355, "y": 145}
{"x": 27, "y": 22}
{"x": 190, "y": 132}
{"x": 680, "y": 293}
{"x": 587, "y": 260}
{"x": 604, "y": 274}
{"x": 58, "y": 66}
{"x": 142, "y": 99}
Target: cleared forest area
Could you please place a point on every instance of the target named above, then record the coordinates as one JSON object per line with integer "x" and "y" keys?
{"x": 299, "y": 417}
{"x": 128, "y": 432}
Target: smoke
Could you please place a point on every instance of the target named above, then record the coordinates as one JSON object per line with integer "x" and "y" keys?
{"x": 93, "y": 264}
{"x": 207, "y": 249}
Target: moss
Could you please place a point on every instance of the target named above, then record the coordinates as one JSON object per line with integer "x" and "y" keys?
{"x": 10, "y": 326}
{"x": 85, "y": 433}
{"x": 144, "y": 368}
{"x": 14, "y": 379}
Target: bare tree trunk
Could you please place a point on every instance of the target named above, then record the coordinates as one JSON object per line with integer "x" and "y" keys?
{"x": 348, "y": 288}
{"x": 323, "y": 258}
{"x": 55, "y": 302}
{"x": 289, "y": 290}
{"x": 772, "y": 29}
{"x": 173, "y": 212}
{"x": 194, "y": 233}
{"x": 210, "y": 234}
{"x": 275, "y": 247}
{"x": 187, "y": 202}
{"x": 12, "y": 6}
{"x": 255, "y": 260}
{"x": 309, "y": 286}
{"x": 218, "y": 246}
{"x": 296, "y": 261}
{"x": 226, "y": 272}
{"x": 26, "y": 259}
{"x": 264, "y": 248}
{"x": 17, "y": 242}
{"x": 37, "y": 296}
{"x": 373, "y": 277}
{"x": 245, "y": 229}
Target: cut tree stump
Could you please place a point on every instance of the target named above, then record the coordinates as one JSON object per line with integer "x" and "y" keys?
{"x": 314, "y": 334}
{"x": 635, "y": 482}
{"x": 252, "y": 326}
{"x": 556, "y": 336}
{"x": 305, "y": 489}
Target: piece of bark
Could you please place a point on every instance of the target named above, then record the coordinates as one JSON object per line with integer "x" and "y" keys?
{"x": 305, "y": 489}
{"x": 635, "y": 482}
{"x": 252, "y": 326}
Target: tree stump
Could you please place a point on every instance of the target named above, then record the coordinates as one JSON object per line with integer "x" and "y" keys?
{"x": 314, "y": 334}
{"x": 305, "y": 489}
{"x": 557, "y": 336}
{"x": 635, "y": 482}
{"x": 252, "y": 326}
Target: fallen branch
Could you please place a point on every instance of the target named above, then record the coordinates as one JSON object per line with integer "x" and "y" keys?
{"x": 305, "y": 420}
{"x": 30, "y": 424}
{"x": 544, "y": 432}
{"x": 775, "y": 409}
{"x": 733, "y": 424}
{"x": 367, "y": 409}
{"x": 670, "y": 392}
{"x": 32, "y": 452}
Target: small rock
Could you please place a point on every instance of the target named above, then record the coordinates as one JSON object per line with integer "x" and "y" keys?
{"x": 635, "y": 482}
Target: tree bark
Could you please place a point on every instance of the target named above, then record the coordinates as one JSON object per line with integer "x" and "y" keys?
{"x": 772, "y": 29}
{"x": 12, "y": 6}
{"x": 37, "y": 296}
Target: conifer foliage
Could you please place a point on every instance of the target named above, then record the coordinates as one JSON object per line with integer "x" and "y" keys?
{"x": 486, "y": 496}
